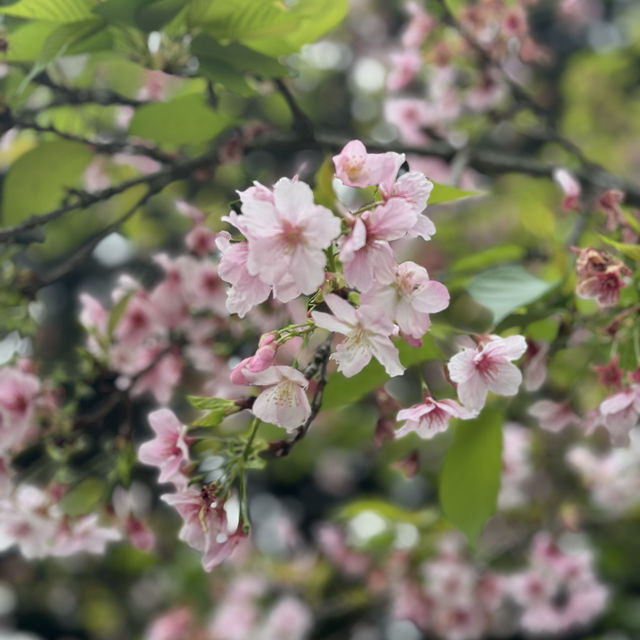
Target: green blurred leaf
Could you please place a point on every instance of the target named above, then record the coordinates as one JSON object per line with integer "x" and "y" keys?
{"x": 154, "y": 15}
{"x": 83, "y": 497}
{"x": 69, "y": 35}
{"x": 470, "y": 477}
{"x": 51, "y": 10}
{"x": 122, "y": 12}
{"x": 241, "y": 19}
{"x": 630, "y": 250}
{"x": 36, "y": 182}
{"x": 314, "y": 18}
{"x": 386, "y": 509}
{"x": 183, "y": 120}
{"x": 447, "y": 193}
{"x": 341, "y": 391}
{"x": 482, "y": 259}
{"x": 241, "y": 58}
{"x": 506, "y": 288}
{"x": 25, "y": 42}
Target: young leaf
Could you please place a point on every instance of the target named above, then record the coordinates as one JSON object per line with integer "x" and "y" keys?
{"x": 506, "y": 288}
{"x": 630, "y": 250}
{"x": 183, "y": 120}
{"x": 470, "y": 477}
{"x": 217, "y": 408}
{"x": 83, "y": 497}
{"x": 36, "y": 182}
{"x": 50, "y": 10}
{"x": 447, "y": 193}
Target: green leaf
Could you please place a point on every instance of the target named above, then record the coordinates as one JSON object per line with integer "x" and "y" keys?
{"x": 121, "y": 12}
{"x": 237, "y": 56}
{"x": 341, "y": 391}
{"x": 482, "y": 259}
{"x": 83, "y": 497}
{"x": 241, "y": 19}
{"x": 25, "y": 42}
{"x": 156, "y": 14}
{"x": 314, "y": 18}
{"x": 51, "y": 10}
{"x": 630, "y": 250}
{"x": 217, "y": 408}
{"x": 67, "y": 36}
{"x": 36, "y": 182}
{"x": 506, "y": 288}
{"x": 447, "y": 193}
{"x": 183, "y": 120}
{"x": 470, "y": 477}
{"x": 386, "y": 509}
{"x": 118, "y": 311}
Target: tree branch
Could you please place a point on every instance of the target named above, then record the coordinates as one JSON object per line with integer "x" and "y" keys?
{"x": 301, "y": 122}
{"x": 82, "y": 199}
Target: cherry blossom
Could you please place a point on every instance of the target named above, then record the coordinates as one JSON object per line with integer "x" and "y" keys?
{"x": 600, "y": 276}
{"x": 430, "y": 417}
{"x": 357, "y": 168}
{"x": 621, "y": 413}
{"x": 168, "y": 450}
{"x": 487, "y": 368}
{"x": 18, "y": 396}
{"x": 553, "y": 416}
{"x": 367, "y": 334}
{"x": 366, "y": 255}
{"x": 283, "y": 400}
{"x": 409, "y": 299}
{"x": 205, "y": 524}
{"x": 517, "y": 468}
{"x": 286, "y": 237}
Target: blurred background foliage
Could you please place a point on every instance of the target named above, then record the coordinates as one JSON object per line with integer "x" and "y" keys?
{"x": 216, "y": 62}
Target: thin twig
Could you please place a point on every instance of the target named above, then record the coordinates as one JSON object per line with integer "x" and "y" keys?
{"x": 301, "y": 122}
{"x": 83, "y": 199}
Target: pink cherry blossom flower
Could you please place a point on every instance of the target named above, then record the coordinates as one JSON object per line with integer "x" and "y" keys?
{"x": 84, "y": 535}
{"x": 600, "y": 276}
{"x": 283, "y": 400}
{"x": 18, "y": 396}
{"x": 366, "y": 255}
{"x": 414, "y": 189}
{"x": 263, "y": 358}
{"x": 419, "y": 26}
{"x": 570, "y": 188}
{"x": 287, "y": 237}
{"x": 205, "y": 525}
{"x": 430, "y": 417}
{"x": 357, "y": 168}
{"x": 553, "y": 416}
{"x": 534, "y": 368}
{"x": 367, "y": 335}
{"x": 246, "y": 290}
{"x": 621, "y": 413}
{"x": 176, "y": 624}
{"x": 487, "y": 368}
{"x": 168, "y": 450}
{"x": 405, "y": 65}
{"x": 410, "y": 116}
{"x": 409, "y": 299}
{"x": 289, "y": 619}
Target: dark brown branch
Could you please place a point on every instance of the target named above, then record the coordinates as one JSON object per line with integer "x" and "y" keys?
{"x": 302, "y": 125}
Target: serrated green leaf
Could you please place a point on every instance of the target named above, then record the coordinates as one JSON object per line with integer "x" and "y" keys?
{"x": 237, "y": 56}
{"x": 506, "y": 288}
{"x": 630, "y": 250}
{"x": 314, "y": 18}
{"x": 36, "y": 182}
{"x": 470, "y": 477}
{"x": 183, "y": 120}
{"x": 83, "y": 497}
{"x": 341, "y": 391}
{"x": 51, "y": 10}
{"x": 154, "y": 15}
{"x": 241, "y": 19}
